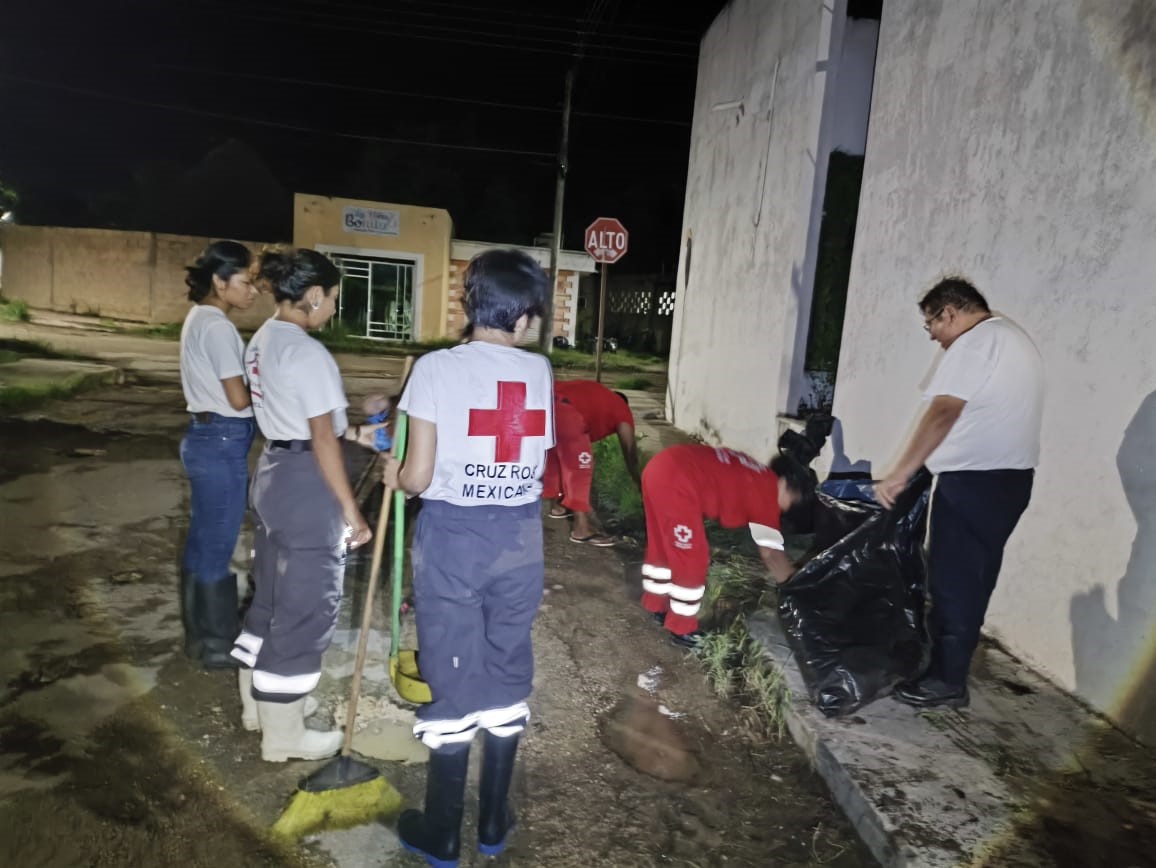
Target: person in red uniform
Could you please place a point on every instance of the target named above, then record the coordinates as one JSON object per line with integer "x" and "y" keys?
{"x": 585, "y": 412}
{"x": 681, "y": 487}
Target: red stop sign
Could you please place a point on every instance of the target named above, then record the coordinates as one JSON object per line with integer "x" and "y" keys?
{"x": 606, "y": 240}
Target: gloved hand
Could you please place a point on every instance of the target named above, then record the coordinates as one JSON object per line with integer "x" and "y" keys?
{"x": 381, "y": 437}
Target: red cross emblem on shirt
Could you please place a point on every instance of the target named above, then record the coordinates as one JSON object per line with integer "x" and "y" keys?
{"x": 509, "y": 424}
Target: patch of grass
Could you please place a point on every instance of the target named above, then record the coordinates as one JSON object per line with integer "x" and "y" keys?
{"x": 14, "y": 311}
{"x": 614, "y": 493}
{"x": 716, "y": 652}
{"x": 632, "y": 383}
{"x": 735, "y": 667}
{"x": 16, "y": 399}
{"x": 623, "y": 361}
{"x": 168, "y": 330}
{"x": 337, "y": 337}
{"x": 735, "y": 584}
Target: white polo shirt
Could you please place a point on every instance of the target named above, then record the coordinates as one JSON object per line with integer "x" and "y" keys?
{"x": 292, "y": 379}
{"x": 211, "y": 351}
{"x": 494, "y": 411}
{"x": 996, "y": 368}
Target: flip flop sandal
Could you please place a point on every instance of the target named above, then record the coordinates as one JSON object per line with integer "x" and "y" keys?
{"x": 565, "y": 514}
{"x": 595, "y": 539}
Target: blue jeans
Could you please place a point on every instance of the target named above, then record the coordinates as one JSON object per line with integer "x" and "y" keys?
{"x": 215, "y": 455}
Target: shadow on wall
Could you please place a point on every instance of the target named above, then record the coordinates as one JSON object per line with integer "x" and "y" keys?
{"x": 841, "y": 465}
{"x": 1122, "y": 650}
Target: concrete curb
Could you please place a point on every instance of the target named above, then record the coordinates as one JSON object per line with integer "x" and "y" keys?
{"x": 62, "y": 376}
{"x": 1000, "y": 783}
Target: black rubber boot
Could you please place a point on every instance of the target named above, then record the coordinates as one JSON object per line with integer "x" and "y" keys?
{"x": 495, "y": 816}
{"x": 188, "y": 599}
{"x": 436, "y": 834}
{"x": 217, "y": 622}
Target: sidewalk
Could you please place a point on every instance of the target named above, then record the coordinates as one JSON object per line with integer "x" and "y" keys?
{"x": 25, "y": 381}
{"x": 1026, "y": 776}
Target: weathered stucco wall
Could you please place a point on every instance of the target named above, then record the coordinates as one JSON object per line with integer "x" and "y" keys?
{"x": 758, "y": 158}
{"x": 1016, "y": 144}
{"x": 138, "y": 276}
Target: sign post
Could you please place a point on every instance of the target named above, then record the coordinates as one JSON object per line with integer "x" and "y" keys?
{"x": 606, "y": 242}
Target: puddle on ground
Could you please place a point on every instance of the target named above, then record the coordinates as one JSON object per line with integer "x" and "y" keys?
{"x": 61, "y": 511}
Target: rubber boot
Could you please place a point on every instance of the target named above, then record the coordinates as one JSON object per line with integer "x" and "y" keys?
{"x": 495, "y": 816}
{"x": 284, "y": 736}
{"x": 218, "y": 622}
{"x": 250, "y": 719}
{"x": 188, "y": 599}
{"x": 436, "y": 834}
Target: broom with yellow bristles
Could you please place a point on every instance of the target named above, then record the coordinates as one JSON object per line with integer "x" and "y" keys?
{"x": 347, "y": 792}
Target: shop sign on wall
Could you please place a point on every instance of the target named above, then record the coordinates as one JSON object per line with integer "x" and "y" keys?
{"x": 371, "y": 221}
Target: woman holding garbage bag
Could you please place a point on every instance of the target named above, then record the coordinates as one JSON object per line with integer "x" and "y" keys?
{"x": 685, "y": 484}
{"x": 215, "y": 448}
{"x": 305, "y": 515}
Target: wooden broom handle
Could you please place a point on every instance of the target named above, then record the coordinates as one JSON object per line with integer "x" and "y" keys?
{"x": 367, "y": 614}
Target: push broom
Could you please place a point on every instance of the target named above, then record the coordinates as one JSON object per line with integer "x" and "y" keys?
{"x": 347, "y": 792}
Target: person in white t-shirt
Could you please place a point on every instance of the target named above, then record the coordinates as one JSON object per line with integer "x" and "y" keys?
{"x": 480, "y": 422}
{"x": 980, "y": 436}
{"x": 215, "y": 448}
{"x": 305, "y": 514}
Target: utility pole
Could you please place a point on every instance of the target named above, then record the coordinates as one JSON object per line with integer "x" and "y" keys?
{"x": 546, "y": 331}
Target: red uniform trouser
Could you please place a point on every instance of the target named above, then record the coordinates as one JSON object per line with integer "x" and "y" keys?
{"x": 570, "y": 464}
{"x": 677, "y": 554}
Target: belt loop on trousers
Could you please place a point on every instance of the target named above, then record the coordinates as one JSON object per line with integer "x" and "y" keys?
{"x": 292, "y": 445}
{"x": 202, "y": 418}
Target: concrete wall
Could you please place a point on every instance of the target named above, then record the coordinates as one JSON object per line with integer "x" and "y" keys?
{"x": 136, "y": 276}
{"x": 768, "y": 71}
{"x": 1016, "y": 144}
{"x": 423, "y": 236}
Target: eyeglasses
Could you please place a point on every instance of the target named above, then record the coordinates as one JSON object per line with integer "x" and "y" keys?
{"x": 927, "y": 323}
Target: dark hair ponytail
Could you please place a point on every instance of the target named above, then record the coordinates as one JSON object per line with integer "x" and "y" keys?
{"x": 220, "y": 259}
{"x": 291, "y": 271}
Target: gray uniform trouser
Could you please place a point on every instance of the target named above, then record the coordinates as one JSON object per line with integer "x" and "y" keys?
{"x": 477, "y": 580}
{"x": 298, "y": 570}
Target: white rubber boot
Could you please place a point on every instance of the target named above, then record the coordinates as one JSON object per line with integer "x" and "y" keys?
{"x": 250, "y": 720}
{"x": 284, "y": 736}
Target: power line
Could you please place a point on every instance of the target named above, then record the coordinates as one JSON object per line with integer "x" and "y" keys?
{"x": 489, "y": 9}
{"x": 302, "y": 128}
{"x": 268, "y": 123}
{"x": 355, "y": 88}
{"x": 330, "y": 22}
{"x": 475, "y": 32}
{"x": 486, "y": 17}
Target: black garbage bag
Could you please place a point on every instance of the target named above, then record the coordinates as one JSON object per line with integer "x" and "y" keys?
{"x": 854, "y": 613}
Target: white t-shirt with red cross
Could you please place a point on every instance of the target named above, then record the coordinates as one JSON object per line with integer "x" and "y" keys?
{"x": 493, "y": 408}
{"x": 292, "y": 379}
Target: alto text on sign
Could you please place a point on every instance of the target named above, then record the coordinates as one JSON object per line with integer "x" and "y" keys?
{"x": 606, "y": 240}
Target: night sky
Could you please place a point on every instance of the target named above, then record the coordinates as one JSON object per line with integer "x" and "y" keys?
{"x": 204, "y": 116}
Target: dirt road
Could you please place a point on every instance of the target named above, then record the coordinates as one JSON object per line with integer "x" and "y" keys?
{"x": 114, "y": 751}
